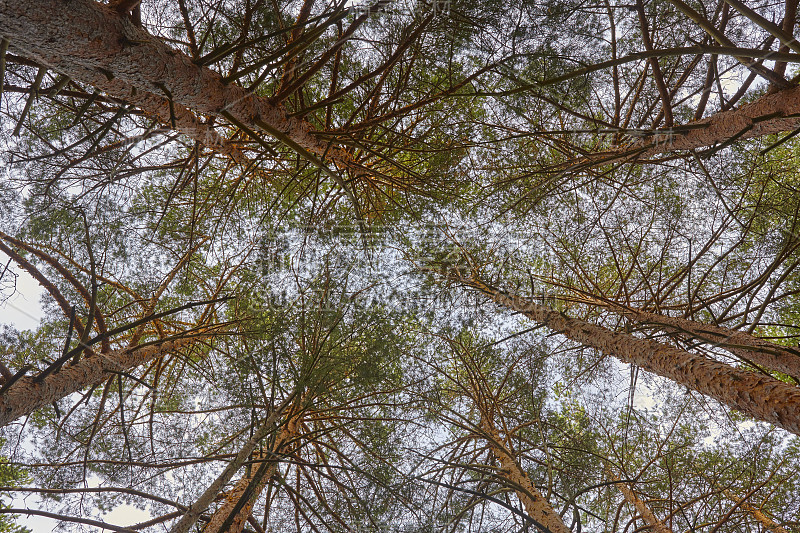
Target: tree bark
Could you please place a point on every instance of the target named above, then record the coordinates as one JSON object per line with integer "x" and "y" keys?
{"x": 644, "y": 511}
{"x": 535, "y": 504}
{"x": 762, "y": 397}
{"x": 176, "y": 117}
{"x": 91, "y": 42}
{"x": 26, "y": 394}
{"x": 227, "y": 519}
{"x": 759, "y": 351}
{"x": 201, "y": 504}
{"x": 773, "y": 113}
{"x": 765, "y": 521}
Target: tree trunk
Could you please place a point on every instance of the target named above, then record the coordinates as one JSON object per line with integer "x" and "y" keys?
{"x": 176, "y": 117}
{"x": 536, "y": 505}
{"x": 26, "y": 394}
{"x": 762, "y": 397}
{"x": 763, "y": 519}
{"x": 656, "y": 525}
{"x": 90, "y": 42}
{"x": 772, "y": 113}
{"x": 759, "y": 351}
{"x": 232, "y": 516}
{"x": 194, "y": 511}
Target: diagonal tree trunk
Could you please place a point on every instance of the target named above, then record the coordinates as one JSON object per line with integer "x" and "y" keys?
{"x": 772, "y": 113}
{"x": 90, "y": 41}
{"x": 764, "y": 520}
{"x": 232, "y": 515}
{"x": 27, "y": 394}
{"x": 759, "y": 351}
{"x": 767, "y": 522}
{"x": 762, "y": 397}
{"x": 535, "y": 504}
{"x": 194, "y": 511}
{"x": 656, "y": 525}
{"x": 175, "y": 116}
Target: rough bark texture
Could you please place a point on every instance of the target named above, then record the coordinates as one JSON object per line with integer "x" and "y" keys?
{"x": 644, "y": 511}
{"x": 536, "y": 505}
{"x": 759, "y": 351}
{"x": 90, "y": 42}
{"x": 762, "y": 397}
{"x": 152, "y": 105}
{"x": 26, "y": 395}
{"x": 287, "y": 435}
{"x": 773, "y": 113}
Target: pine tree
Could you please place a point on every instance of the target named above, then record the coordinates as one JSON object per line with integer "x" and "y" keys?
{"x": 222, "y": 203}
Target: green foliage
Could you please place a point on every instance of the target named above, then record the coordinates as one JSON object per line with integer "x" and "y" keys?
{"x": 11, "y": 476}
{"x": 460, "y": 159}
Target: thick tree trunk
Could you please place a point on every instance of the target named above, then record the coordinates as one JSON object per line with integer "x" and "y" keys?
{"x": 535, "y": 504}
{"x": 759, "y": 351}
{"x": 90, "y": 42}
{"x": 762, "y": 397}
{"x": 227, "y": 518}
{"x": 176, "y": 117}
{"x": 26, "y": 394}
{"x": 656, "y": 525}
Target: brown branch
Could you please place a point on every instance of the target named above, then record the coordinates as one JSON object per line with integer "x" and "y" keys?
{"x": 666, "y": 105}
{"x": 66, "y": 518}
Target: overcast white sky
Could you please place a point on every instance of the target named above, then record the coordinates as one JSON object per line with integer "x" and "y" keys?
{"x": 22, "y": 310}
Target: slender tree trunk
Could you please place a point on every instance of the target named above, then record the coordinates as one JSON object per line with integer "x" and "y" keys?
{"x": 762, "y": 397}
{"x": 759, "y": 351}
{"x": 232, "y": 515}
{"x": 772, "y": 113}
{"x": 27, "y": 394}
{"x": 89, "y": 42}
{"x": 536, "y": 505}
{"x": 201, "y": 504}
{"x": 763, "y": 519}
{"x": 656, "y": 525}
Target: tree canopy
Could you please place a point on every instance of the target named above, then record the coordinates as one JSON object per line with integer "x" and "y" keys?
{"x": 402, "y": 266}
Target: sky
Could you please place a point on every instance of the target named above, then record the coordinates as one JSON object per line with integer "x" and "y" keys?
{"x": 22, "y": 308}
